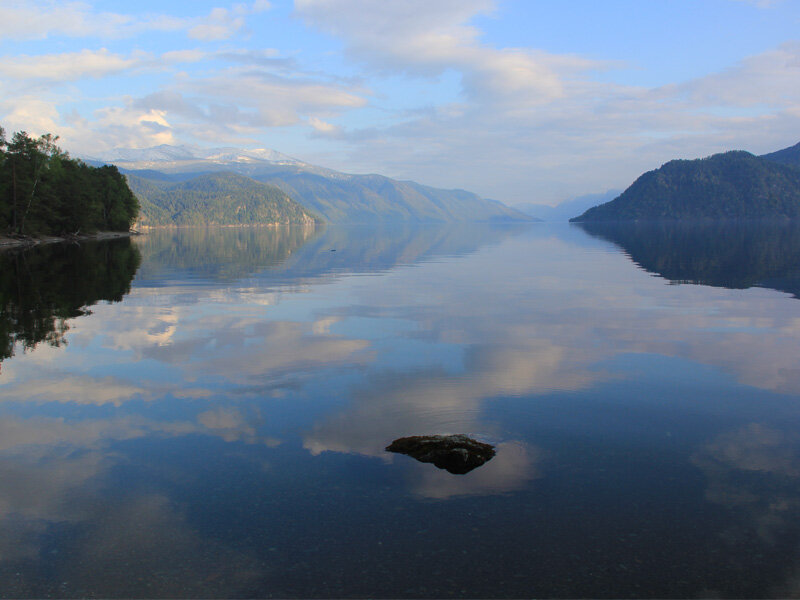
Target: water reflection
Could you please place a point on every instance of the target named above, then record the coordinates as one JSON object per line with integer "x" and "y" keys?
{"x": 753, "y": 472}
{"x": 298, "y": 254}
{"x": 67, "y": 533}
{"x": 217, "y": 253}
{"x": 221, "y": 431}
{"x": 42, "y": 287}
{"x": 731, "y": 254}
{"x": 512, "y": 467}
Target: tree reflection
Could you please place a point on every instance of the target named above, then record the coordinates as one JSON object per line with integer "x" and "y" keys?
{"x": 42, "y": 287}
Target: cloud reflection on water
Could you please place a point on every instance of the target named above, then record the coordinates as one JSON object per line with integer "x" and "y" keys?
{"x": 511, "y": 468}
{"x": 360, "y": 358}
{"x": 753, "y": 472}
{"x": 55, "y": 479}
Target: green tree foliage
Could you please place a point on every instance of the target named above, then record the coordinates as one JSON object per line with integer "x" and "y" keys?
{"x": 44, "y": 192}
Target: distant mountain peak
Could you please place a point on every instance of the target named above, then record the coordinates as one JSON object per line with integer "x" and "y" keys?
{"x": 166, "y": 153}
{"x": 163, "y": 152}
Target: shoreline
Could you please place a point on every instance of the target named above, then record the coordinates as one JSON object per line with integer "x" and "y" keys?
{"x": 31, "y": 241}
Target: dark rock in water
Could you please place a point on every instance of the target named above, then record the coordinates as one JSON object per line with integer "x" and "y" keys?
{"x": 458, "y": 453}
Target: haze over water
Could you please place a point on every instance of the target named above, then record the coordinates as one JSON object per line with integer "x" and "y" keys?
{"x": 218, "y": 429}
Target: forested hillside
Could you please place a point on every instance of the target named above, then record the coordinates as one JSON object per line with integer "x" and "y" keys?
{"x": 723, "y": 186}
{"x": 215, "y": 199}
{"x": 44, "y": 192}
{"x": 344, "y": 198}
{"x": 788, "y": 156}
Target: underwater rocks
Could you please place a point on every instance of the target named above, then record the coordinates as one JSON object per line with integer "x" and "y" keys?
{"x": 458, "y": 453}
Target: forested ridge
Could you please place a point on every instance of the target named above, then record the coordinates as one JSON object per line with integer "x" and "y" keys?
{"x": 45, "y": 192}
{"x": 215, "y": 199}
{"x": 730, "y": 185}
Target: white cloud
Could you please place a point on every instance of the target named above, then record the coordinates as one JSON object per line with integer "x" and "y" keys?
{"x": 770, "y": 78}
{"x": 427, "y": 39}
{"x": 182, "y": 56}
{"x": 232, "y": 104}
{"x": 324, "y": 128}
{"x": 219, "y": 25}
{"x": 67, "y": 66}
{"x": 32, "y": 114}
{"x": 223, "y": 24}
{"x": 273, "y": 100}
{"x": 40, "y": 19}
{"x": 130, "y": 127}
{"x": 44, "y": 71}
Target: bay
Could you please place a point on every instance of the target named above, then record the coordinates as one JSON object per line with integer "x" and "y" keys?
{"x": 204, "y": 413}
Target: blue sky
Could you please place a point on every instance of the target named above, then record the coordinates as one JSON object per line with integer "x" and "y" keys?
{"x": 518, "y": 100}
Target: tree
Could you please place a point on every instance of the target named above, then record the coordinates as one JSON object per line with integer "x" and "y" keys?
{"x": 29, "y": 159}
{"x": 3, "y": 183}
{"x": 43, "y": 191}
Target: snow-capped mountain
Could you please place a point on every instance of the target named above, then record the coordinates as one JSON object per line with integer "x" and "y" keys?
{"x": 238, "y": 155}
{"x": 167, "y": 153}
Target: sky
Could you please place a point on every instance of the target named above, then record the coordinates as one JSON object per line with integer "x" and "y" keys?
{"x": 523, "y": 101}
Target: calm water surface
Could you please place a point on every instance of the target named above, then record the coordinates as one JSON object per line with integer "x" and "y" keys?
{"x": 205, "y": 412}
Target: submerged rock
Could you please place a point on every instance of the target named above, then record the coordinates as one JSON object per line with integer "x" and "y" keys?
{"x": 457, "y": 453}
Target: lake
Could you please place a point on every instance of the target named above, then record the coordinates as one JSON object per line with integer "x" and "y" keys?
{"x": 204, "y": 413}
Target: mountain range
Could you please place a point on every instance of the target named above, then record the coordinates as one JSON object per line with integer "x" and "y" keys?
{"x": 730, "y": 185}
{"x": 330, "y": 195}
{"x": 568, "y": 208}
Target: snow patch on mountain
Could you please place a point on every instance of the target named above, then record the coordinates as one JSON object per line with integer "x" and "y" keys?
{"x": 167, "y": 153}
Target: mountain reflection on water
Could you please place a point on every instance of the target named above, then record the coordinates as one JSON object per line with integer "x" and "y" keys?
{"x": 210, "y": 253}
{"x": 297, "y": 253}
{"x": 731, "y": 254}
{"x": 221, "y": 430}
